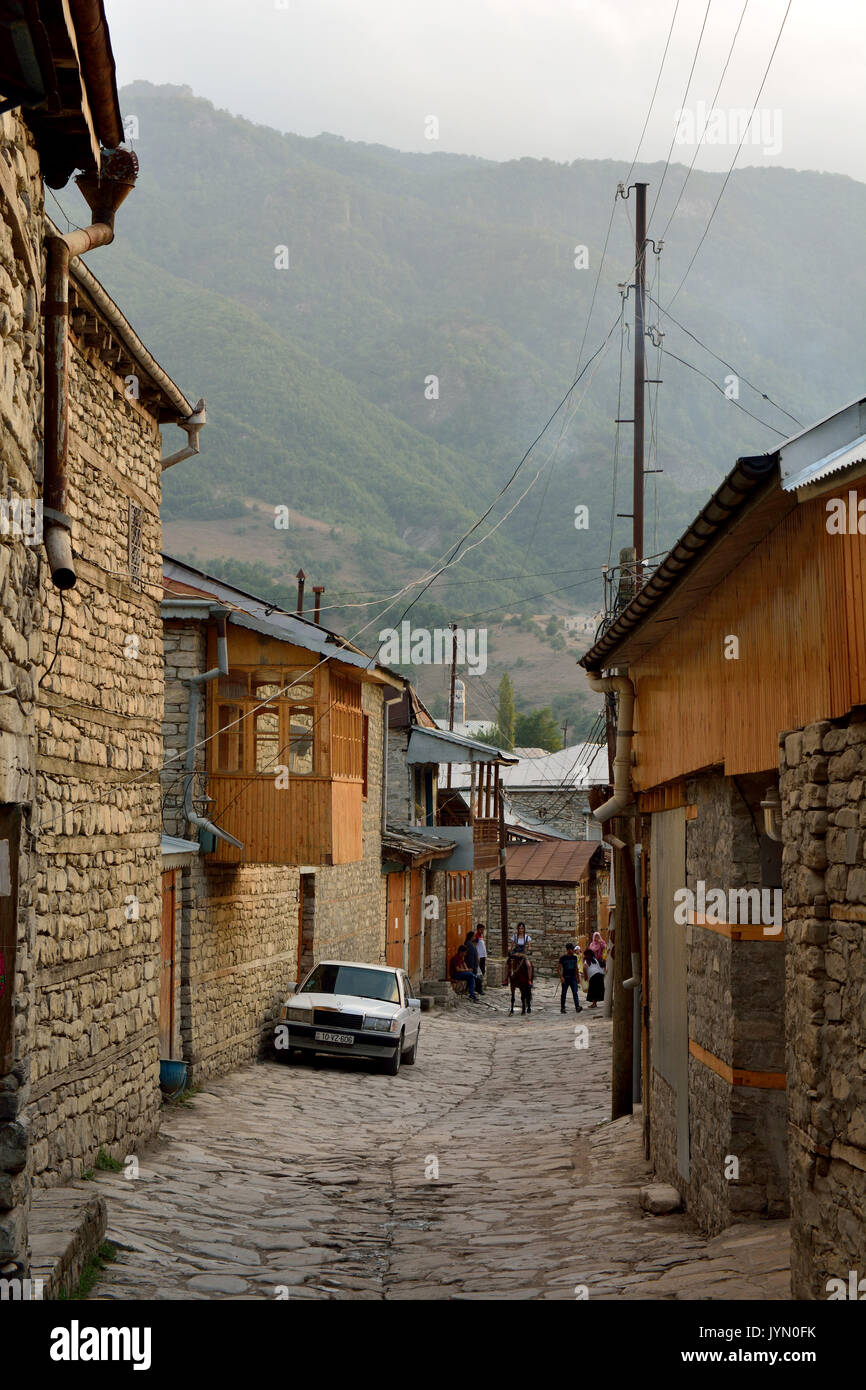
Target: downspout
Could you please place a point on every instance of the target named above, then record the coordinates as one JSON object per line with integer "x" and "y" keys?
{"x": 622, "y": 798}
{"x": 195, "y": 685}
{"x": 104, "y": 193}
{"x": 386, "y": 703}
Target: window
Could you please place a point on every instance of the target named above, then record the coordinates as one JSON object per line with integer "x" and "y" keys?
{"x": 301, "y": 723}
{"x": 135, "y": 516}
{"x": 230, "y": 728}
{"x": 265, "y": 719}
{"x": 267, "y": 739}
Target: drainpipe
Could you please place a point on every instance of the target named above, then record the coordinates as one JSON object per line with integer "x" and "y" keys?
{"x": 318, "y": 590}
{"x": 104, "y": 193}
{"x": 623, "y": 797}
{"x": 196, "y": 682}
{"x": 385, "y": 705}
{"x": 301, "y": 578}
{"x": 622, "y": 792}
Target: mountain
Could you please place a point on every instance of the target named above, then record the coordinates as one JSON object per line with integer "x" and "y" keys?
{"x": 403, "y": 268}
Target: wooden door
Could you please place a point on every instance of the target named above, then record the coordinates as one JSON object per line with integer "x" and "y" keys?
{"x": 395, "y": 923}
{"x": 458, "y": 911}
{"x": 166, "y": 974}
{"x": 415, "y": 924}
{"x": 669, "y": 1016}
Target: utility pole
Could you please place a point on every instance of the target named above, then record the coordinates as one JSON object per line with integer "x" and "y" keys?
{"x": 453, "y": 680}
{"x": 503, "y": 885}
{"x": 622, "y": 1068}
{"x": 639, "y": 370}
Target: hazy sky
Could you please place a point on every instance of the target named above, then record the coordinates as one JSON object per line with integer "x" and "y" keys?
{"x": 561, "y": 79}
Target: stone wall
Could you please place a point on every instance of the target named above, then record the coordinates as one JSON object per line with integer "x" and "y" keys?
{"x": 21, "y": 274}
{"x": 400, "y": 798}
{"x": 823, "y": 791}
{"x": 550, "y": 913}
{"x": 735, "y": 1002}
{"x": 571, "y": 814}
{"x": 95, "y": 1072}
{"x": 238, "y": 960}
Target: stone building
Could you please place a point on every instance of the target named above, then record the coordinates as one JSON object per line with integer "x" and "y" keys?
{"x": 273, "y": 808}
{"x": 550, "y": 791}
{"x": 444, "y": 784}
{"x": 558, "y": 888}
{"x": 741, "y": 670}
{"x": 81, "y": 402}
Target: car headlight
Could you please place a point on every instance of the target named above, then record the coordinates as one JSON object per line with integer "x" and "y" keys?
{"x": 378, "y": 1025}
{"x": 293, "y": 1014}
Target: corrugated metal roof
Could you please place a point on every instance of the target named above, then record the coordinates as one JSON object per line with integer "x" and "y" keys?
{"x": 552, "y": 861}
{"x": 431, "y": 746}
{"x": 412, "y": 841}
{"x": 834, "y": 462}
{"x": 580, "y": 766}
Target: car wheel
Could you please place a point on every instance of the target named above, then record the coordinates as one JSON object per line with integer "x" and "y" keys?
{"x": 392, "y": 1066}
{"x": 294, "y": 1054}
{"x": 410, "y": 1057}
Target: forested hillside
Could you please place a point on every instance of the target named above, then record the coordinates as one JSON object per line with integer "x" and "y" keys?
{"x": 407, "y": 267}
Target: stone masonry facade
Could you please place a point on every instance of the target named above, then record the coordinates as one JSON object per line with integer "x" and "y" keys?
{"x": 549, "y": 911}
{"x": 823, "y": 791}
{"x": 21, "y": 276}
{"x": 735, "y": 1003}
{"x": 95, "y": 1074}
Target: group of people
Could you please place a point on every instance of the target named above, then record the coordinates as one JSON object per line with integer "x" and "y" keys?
{"x": 593, "y": 973}
{"x": 469, "y": 963}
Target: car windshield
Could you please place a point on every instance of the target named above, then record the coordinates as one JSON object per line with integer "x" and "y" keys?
{"x": 353, "y": 979}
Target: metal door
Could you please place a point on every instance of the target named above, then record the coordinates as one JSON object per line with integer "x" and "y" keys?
{"x": 670, "y": 1023}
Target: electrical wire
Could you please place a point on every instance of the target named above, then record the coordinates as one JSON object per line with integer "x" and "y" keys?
{"x": 667, "y": 352}
{"x": 712, "y": 106}
{"x": 736, "y": 155}
{"x": 682, "y": 107}
{"x": 655, "y": 90}
{"x": 740, "y": 375}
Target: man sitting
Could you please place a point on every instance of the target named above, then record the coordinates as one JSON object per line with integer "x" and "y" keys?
{"x": 458, "y": 971}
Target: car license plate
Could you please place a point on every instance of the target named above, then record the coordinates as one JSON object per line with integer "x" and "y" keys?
{"x": 345, "y": 1038}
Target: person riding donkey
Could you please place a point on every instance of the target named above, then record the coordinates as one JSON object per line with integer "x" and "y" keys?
{"x": 520, "y": 970}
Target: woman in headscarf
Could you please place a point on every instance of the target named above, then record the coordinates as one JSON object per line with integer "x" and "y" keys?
{"x": 597, "y": 947}
{"x": 593, "y": 974}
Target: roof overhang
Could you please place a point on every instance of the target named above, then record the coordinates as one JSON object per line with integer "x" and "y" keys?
{"x": 56, "y": 62}
{"x": 438, "y": 746}
{"x": 755, "y": 497}
{"x": 176, "y": 852}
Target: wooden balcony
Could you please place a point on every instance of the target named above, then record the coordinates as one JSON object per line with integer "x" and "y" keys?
{"x": 313, "y": 820}
{"x": 485, "y": 839}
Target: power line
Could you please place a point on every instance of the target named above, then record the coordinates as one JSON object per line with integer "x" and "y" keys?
{"x": 667, "y": 352}
{"x": 682, "y": 105}
{"x": 699, "y": 142}
{"x": 655, "y": 90}
{"x": 736, "y": 154}
{"x": 741, "y": 375}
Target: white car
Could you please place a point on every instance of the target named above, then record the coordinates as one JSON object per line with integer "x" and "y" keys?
{"x": 356, "y": 1010}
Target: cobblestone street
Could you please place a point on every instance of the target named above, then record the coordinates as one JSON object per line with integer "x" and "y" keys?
{"x": 319, "y": 1178}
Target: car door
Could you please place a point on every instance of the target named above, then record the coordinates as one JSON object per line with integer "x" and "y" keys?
{"x": 413, "y": 1016}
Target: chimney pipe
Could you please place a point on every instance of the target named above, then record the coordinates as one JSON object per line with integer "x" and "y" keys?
{"x": 301, "y": 578}
{"x": 318, "y": 590}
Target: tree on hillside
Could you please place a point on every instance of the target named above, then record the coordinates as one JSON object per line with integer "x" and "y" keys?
{"x": 537, "y": 729}
{"x": 505, "y": 713}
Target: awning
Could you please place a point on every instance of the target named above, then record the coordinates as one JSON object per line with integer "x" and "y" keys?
{"x": 441, "y": 746}
{"x": 176, "y": 852}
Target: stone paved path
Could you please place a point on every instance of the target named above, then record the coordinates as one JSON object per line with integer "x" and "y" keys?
{"x": 311, "y": 1179}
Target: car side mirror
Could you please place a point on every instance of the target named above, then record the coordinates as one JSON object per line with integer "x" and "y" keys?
{"x": 414, "y": 1003}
